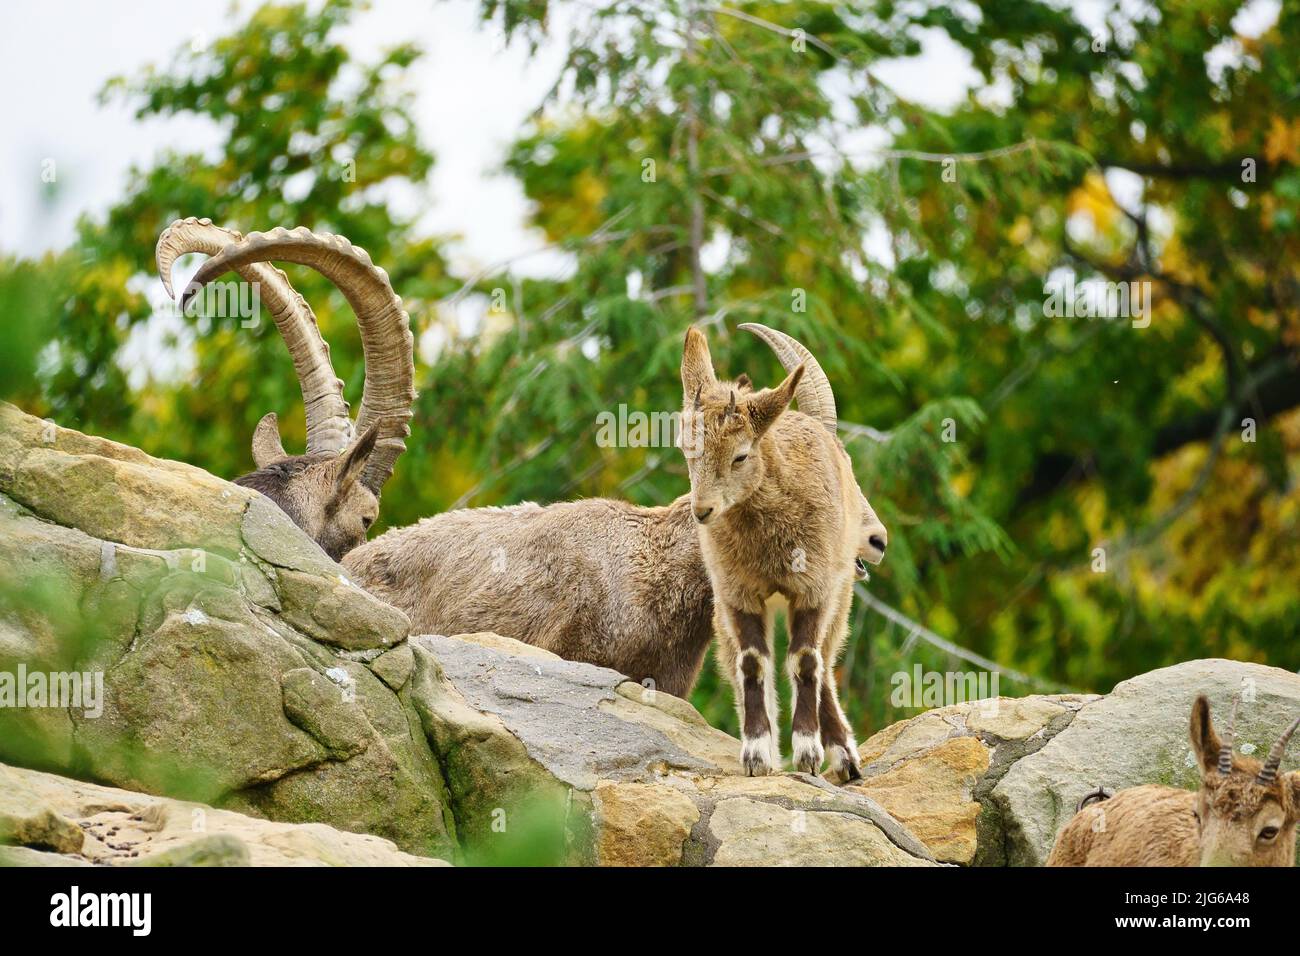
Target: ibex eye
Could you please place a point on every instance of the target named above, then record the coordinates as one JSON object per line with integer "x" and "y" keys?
{"x": 1268, "y": 833}
{"x": 738, "y": 459}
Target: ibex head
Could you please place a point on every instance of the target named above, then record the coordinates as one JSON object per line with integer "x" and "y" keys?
{"x": 1246, "y": 812}
{"x": 723, "y": 422}
{"x": 331, "y": 491}
{"x": 324, "y": 494}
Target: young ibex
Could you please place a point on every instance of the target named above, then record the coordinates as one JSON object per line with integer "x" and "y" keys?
{"x": 332, "y": 491}
{"x": 780, "y": 516}
{"x": 1244, "y": 814}
{"x": 601, "y": 581}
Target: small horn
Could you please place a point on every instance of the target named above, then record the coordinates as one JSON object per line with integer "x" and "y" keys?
{"x": 329, "y": 426}
{"x": 1230, "y": 741}
{"x": 389, "y": 391}
{"x": 1269, "y": 771}
{"x": 813, "y": 394}
{"x": 731, "y": 406}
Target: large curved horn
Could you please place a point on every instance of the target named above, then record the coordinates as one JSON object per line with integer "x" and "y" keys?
{"x": 329, "y": 426}
{"x": 813, "y": 394}
{"x": 1268, "y": 773}
{"x": 385, "y": 328}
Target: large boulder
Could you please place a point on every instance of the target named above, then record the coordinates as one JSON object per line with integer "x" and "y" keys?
{"x": 934, "y": 772}
{"x": 46, "y": 820}
{"x": 1136, "y": 734}
{"x": 232, "y": 653}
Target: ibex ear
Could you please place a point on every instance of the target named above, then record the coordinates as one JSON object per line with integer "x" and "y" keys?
{"x": 1204, "y": 740}
{"x": 267, "y": 449}
{"x": 767, "y": 405}
{"x": 354, "y": 462}
{"x": 697, "y": 365}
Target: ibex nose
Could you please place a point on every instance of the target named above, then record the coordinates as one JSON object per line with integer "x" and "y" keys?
{"x": 702, "y": 514}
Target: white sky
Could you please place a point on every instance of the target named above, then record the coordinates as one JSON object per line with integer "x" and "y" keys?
{"x": 472, "y": 95}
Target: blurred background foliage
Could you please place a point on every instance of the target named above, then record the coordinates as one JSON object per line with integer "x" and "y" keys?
{"x": 743, "y": 162}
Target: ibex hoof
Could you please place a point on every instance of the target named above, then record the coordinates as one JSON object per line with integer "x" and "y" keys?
{"x": 844, "y": 765}
{"x": 808, "y": 752}
{"x": 756, "y": 756}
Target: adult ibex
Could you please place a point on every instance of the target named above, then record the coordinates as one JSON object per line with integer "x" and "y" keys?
{"x": 331, "y": 491}
{"x": 1244, "y": 813}
{"x": 780, "y": 515}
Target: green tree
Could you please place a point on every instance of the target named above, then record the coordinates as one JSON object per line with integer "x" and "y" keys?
{"x": 309, "y": 137}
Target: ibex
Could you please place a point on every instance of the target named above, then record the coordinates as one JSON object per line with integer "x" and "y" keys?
{"x": 331, "y": 491}
{"x": 1244, "y": 814}
{"x": 780, "y": 515}
{"x": 601, "y": 581}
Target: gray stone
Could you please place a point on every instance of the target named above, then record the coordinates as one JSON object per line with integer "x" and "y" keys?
{"x": 1137, "y": 734}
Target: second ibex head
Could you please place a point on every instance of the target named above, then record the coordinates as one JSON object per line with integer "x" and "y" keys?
{"x": 332, "y": 490}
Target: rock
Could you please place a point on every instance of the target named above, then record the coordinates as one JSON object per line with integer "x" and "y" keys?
{"x": 245, "y": 676}
{"x": 934, "y": 772}
{"x": 632, "y": 777}
{"x": 121, "y": 828}
{"x": 214, "y": 625}
{"x": 933, "y": 795}
{"x": 755, "y": 833}
{"x": 394, "y": 667}
{"x": 25, "y": 856}
{"x": 337, "y": 612}
{"x": 642, "y": 824}
{"x": 27, "y": 820}
{"x": 1136, "y": 734}
{"x": 326, "y": 709}
{"x": 217, "y": 850}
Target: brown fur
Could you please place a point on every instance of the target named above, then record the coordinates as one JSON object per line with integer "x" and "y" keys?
{"x": 1232, "y": 820}
{"x": 601, "y": 581}
{"x": 780, "y": 516}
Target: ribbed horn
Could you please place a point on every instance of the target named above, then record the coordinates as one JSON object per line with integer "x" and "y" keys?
{"x": 1230, "y": 741}
{"x": 329, "y": 426}
{"x": 813, "y": 395}
{"x": 389, "y": 391}
{"x": 1269, "y": 771}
